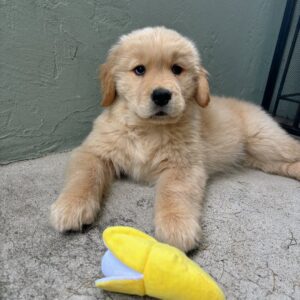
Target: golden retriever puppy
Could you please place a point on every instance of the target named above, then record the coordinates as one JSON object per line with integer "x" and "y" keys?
{"x": 162, "y": 126}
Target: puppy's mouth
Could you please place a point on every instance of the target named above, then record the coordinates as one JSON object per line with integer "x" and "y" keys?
{"x": 160, "y": 115}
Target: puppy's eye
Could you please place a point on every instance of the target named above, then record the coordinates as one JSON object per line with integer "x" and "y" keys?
{"x": 177, "y": 70}
{"x": 139, "y": 70}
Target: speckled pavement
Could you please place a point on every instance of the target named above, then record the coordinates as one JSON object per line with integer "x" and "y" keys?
{"x": 251, "y": 242}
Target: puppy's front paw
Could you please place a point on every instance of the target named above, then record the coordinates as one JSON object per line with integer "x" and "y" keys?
{"x": 70, "y": 213}
{"x": 181, "y": 232}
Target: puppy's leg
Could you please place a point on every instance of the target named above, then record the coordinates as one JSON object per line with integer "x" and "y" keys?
{"x": 269, "y": 148}
{"x": 79, "y": 203}
{"x": 178, "y": 206}
{"x": 279, "y": 168}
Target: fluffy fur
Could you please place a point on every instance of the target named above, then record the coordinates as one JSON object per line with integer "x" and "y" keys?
{"x": 198, "y": 136}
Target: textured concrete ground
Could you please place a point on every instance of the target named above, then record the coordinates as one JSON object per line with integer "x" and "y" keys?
{"x": 251, "y": 234}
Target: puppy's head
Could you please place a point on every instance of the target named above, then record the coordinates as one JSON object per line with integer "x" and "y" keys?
{"x": 157, "y": 72}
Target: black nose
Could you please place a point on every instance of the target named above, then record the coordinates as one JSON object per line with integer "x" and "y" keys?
{"x": 161, "y": 96}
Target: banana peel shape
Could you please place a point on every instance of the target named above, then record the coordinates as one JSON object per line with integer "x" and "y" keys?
{"x": 137, "y": 264}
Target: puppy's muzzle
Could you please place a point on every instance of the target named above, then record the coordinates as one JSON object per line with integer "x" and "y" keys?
{"x": 161, "y": 96}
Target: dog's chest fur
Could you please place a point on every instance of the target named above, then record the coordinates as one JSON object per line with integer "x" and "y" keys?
{"x": 145, "y": 152}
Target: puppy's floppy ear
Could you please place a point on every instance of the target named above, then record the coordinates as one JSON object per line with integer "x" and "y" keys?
{"x": 202, "y": 90}
{"x": 107, "y": 85}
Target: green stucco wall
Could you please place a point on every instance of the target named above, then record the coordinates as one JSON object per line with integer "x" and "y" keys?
{"x": 50, "y": 52}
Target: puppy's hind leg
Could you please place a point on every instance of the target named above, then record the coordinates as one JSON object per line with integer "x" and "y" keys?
{"x": 269, "y": 148}
{"x": 279, "y": 168}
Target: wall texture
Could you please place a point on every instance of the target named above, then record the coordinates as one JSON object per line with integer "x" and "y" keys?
{"x": 50, "y": 51}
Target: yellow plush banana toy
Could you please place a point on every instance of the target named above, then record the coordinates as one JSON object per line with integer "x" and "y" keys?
{"x": 137, "y": 264}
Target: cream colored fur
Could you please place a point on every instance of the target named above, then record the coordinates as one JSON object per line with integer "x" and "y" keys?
{"x": 201, "y": 135}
